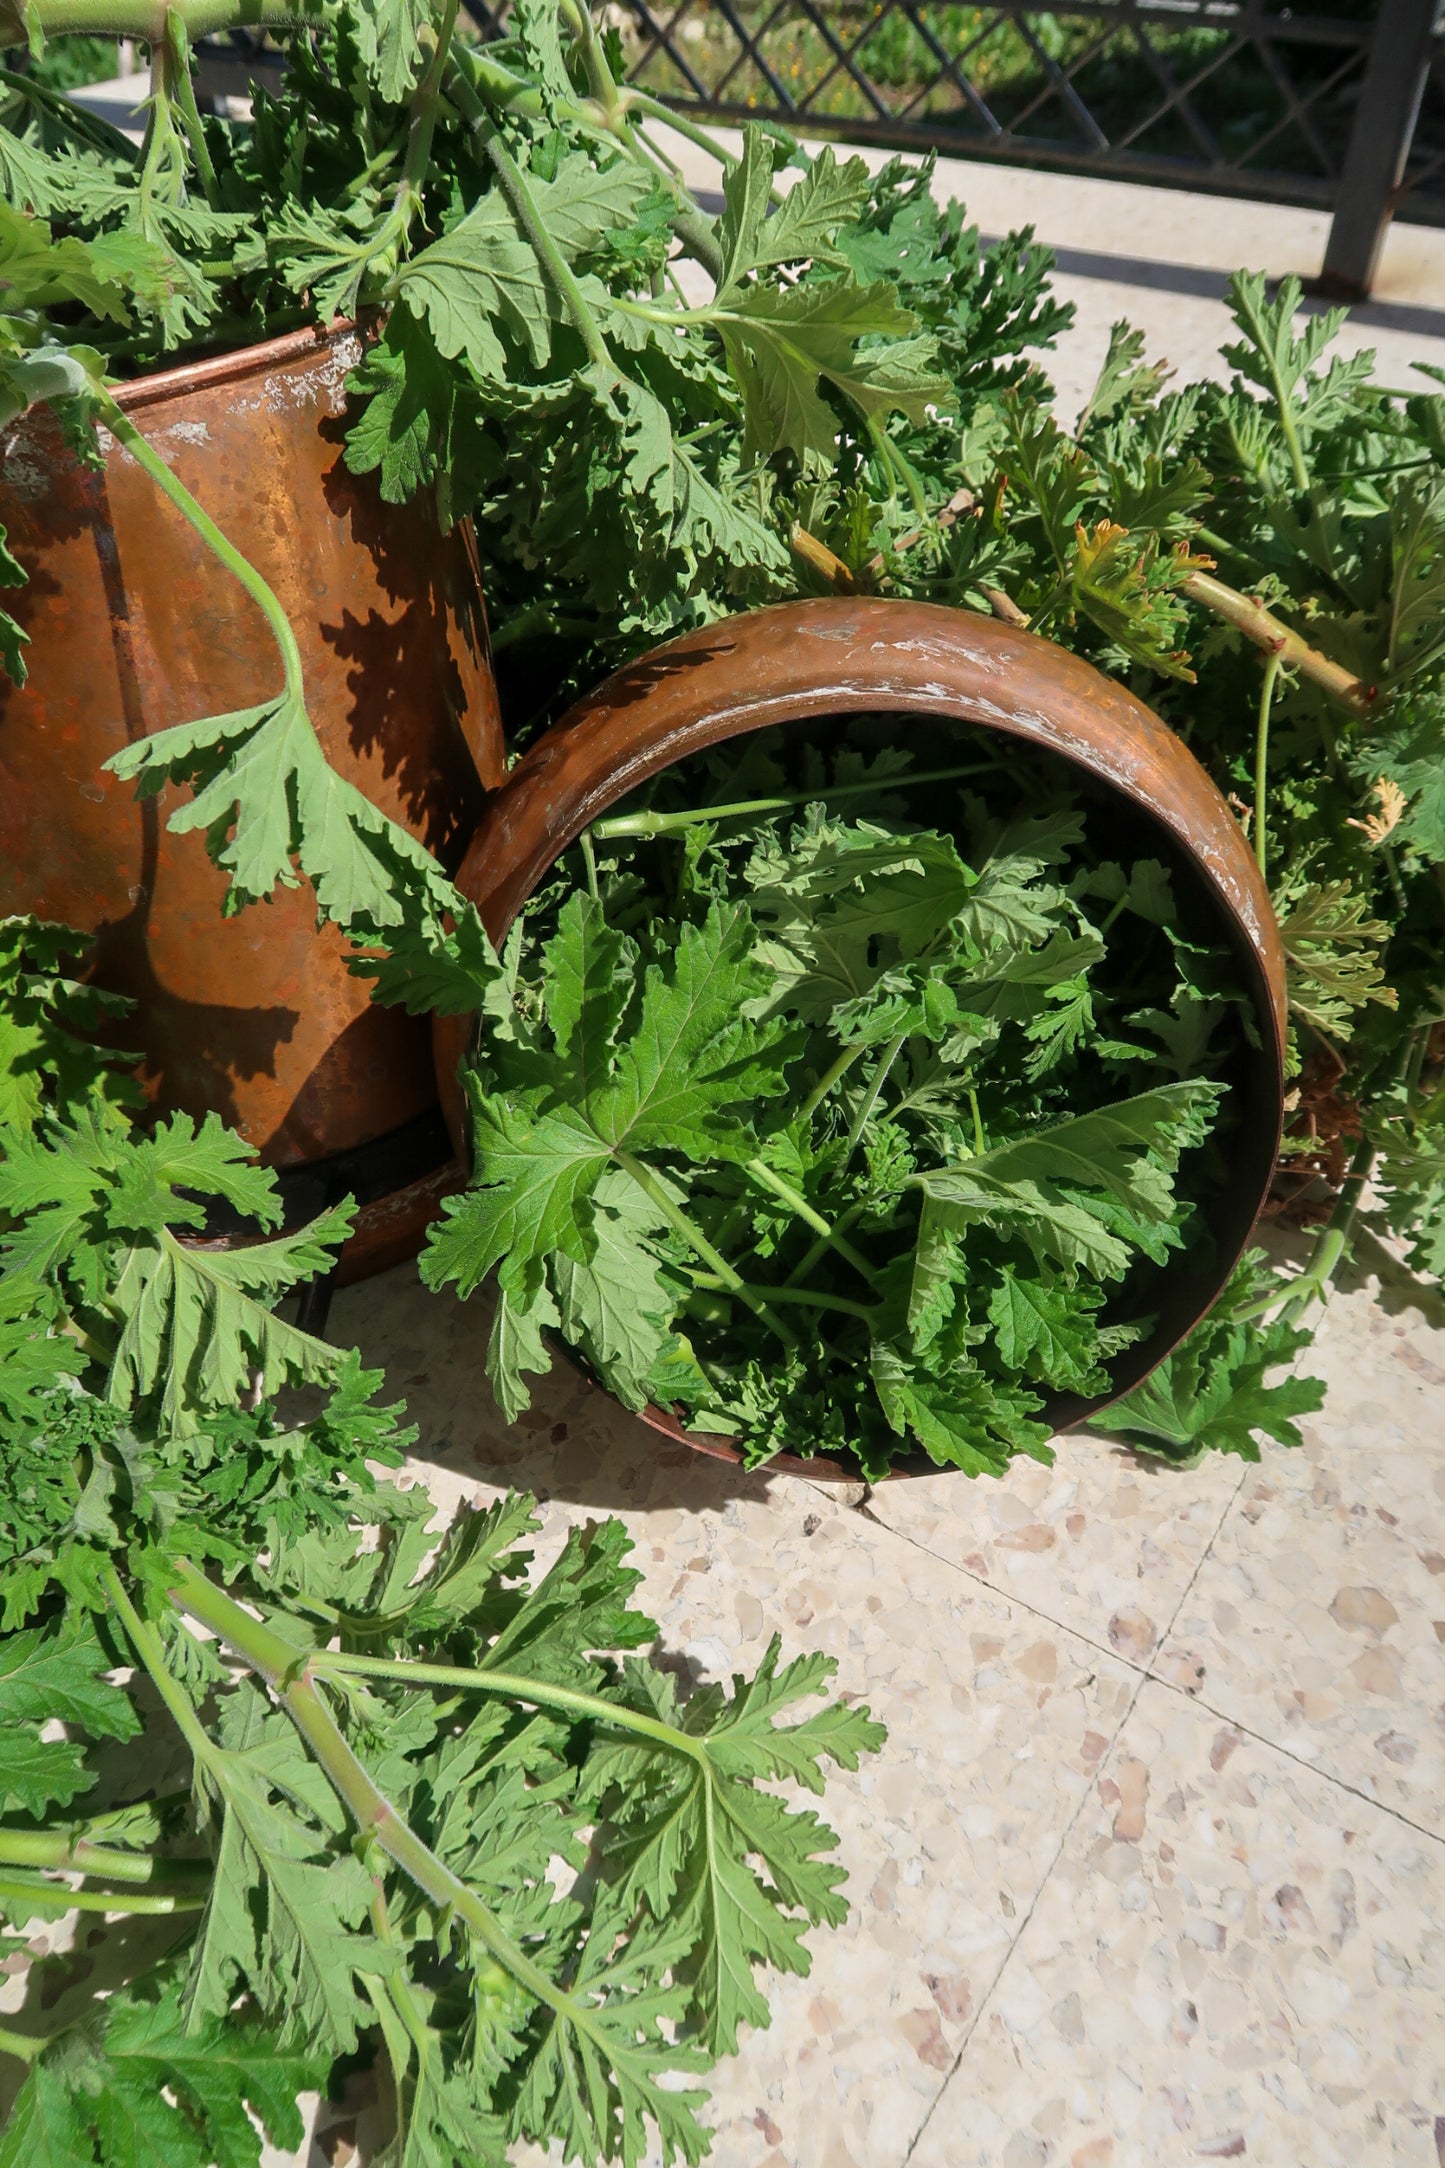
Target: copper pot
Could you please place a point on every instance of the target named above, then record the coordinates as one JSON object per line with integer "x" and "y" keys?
{"x": 133, "y": 626}
{"x": 799, "y": 661}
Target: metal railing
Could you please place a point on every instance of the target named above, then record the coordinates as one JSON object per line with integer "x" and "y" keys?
{"x": 1342, "y": 107}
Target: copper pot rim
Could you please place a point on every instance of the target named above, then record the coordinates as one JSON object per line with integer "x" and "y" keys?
{"x": 1257, "y": 944}
{"x": 235, "y": 365}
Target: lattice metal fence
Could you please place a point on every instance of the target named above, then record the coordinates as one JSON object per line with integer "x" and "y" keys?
{"x": 1232, "y": 96}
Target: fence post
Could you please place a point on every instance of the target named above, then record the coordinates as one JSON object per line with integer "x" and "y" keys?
{"x": 1389, "y": 106}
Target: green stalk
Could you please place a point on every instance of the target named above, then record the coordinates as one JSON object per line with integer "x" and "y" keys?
{"x": 126, "y": 433}
{"x": 835, "y": 1071}
{"x": 869, "y": 1100}
{"x": 1272, "y": 668}
{"x": 589, "y": 861}
{"x": 145, "y": 20}
{"x": 980, "y": 1141}
{"x": 809, "y": 1297}
{"x": 178, "y": 40}
{"x": 13, "y": 1889}
{"x": 641, "y": 101}
{"x": 650, "y": 825}
{"x": 514, "y": 1686}
{"x": 810, "y": 1257}
{"x": 599, "y": 75}
{"x": 696, "y": 1240}
{"x": 146, "y": 1643}
{"x": 549, "y": 256}
{"x": 426, "y": 101}
{"x": 57, "y": 1852}
{"x": 376, "y": 1819}
{"x": 22, "y": 2046}
{"x": 892, "y": 457}
{"x": 797, "y": 1203}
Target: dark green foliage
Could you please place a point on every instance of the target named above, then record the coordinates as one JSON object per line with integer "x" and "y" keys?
{"x": 841, "y": 1134}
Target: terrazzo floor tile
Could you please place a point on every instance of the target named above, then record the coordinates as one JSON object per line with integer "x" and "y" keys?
{"x": 1318, "y": 1618}
{"x": 1102, "y": 1542}
{"x": 997, "y": 1722}
{"x": 1234, "y": 1958}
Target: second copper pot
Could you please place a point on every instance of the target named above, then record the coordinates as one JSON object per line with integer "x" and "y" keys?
{"x": 799, "y": 662}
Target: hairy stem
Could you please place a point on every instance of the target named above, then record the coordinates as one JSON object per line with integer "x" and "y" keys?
{"x": 697, "y": 1241}
{"x": 798, "y": 1204}
{"x": 836, "y": 1070}
{"x": 810, "y": 1257}
{"x": 25, "y": 2047}
{"x": 146, "y": 1642}
{"x": 1271, "y": 633}
{"x": 512, "y": 1686}
{"x": 649, "y": 825}
{"x": 869, "y": 1100}
{"x": 144, "y": 20}
{"x": 425, "y": 104}
{"x": 811, "y": 1298}
{"x": 55, "y": 1851}
{"x": 184, "y": 92}
{"x": 13, "y": 1890}
{"x": 549, "y": 256}
{"x": 1272, "y": 668}
{"x": 124, "y": 430}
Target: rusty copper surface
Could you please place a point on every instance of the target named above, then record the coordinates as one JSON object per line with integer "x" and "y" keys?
{"x": 134, "y": 626}
{"x": 802, "y": 661}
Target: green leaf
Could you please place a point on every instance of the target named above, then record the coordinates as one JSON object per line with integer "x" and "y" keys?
{"x": 1212, "y": 1394}
{"x": 483, "y": 282}
{"x": 1043, "y": 1185}
{"x": 683, "y": 1830}
{"x": 1047, "y": 1332}
{"x": 617, "y": 1306}
{"x": 1332, "y": 953}
{"x": 962, "y": 1420}
{"x": 517, "y": 1345}
{"x": 781, "y": 341}
{"x": 535, "y": 1177}
{"x": 692, "y": 1065}
{"x": 47, "y": 2127}
{"x": 266, "y": 792}
{"x": 806, "y": 224}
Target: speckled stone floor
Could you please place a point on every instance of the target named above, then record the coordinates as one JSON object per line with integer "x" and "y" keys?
{"x": 1152, "y": 1867}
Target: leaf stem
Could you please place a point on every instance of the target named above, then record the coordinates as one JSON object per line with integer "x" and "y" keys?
{"x": 529, "y": 217}
{"x": 25, "y": 2047}
{"x": 696, "y": 1240}
{"x": 56, "y": 1851}
{"x": 798, "y": 1204}
{"x": 869, "y": 1100}
{"x": 515, "y": 1686}
{"x": 147, "y": 1645}
{"x": 1273, "y": 665}
{"x": 836, "y": 1070}
{"x": 13, "y": 1890}
{"x": 125, "y": 432}
{"x": 649, "y": 825}
{"x": 810, "y": 1298}
{"x": 184, "y": 91}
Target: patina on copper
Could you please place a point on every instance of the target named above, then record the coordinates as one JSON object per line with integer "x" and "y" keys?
{"x": 798, "y": 662}
{"x": 134, "y": 625}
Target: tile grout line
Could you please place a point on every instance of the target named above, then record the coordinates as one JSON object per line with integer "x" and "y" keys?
{"x": 1300, "y": 1761}
{"x": 1142, "y": 1678}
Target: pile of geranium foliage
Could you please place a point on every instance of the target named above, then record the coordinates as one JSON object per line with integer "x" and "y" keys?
{"x": 425, "y": 1803}
{"x": 655, "y": 416}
